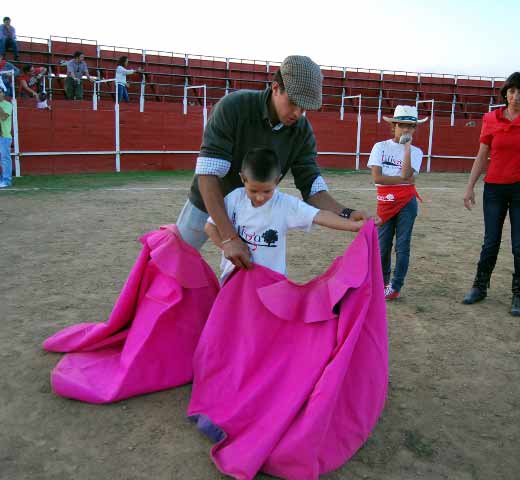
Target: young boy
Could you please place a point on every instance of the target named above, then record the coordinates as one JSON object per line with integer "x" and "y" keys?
{"x": 394, "y": 164}
{"x": 262, "y": 215}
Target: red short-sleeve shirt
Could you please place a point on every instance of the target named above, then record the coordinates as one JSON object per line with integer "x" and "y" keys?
{"x": 503, "y": 138}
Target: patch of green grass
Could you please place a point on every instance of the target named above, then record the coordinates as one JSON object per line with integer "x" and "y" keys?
{"x": 91, "y": 181}
{"x": 414, "y": 442}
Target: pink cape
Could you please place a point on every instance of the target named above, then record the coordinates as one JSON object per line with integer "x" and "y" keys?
{"x": 148, "y": 342}
{"x": 290, "y": 379}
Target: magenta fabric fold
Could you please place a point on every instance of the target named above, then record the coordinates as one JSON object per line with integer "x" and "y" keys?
{"x": 147, "y": 344}
{"x": 291, "y": 379}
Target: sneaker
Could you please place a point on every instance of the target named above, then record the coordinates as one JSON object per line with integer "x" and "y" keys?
{"x": 390, "y": 293}
{"x": 4, "y": 185}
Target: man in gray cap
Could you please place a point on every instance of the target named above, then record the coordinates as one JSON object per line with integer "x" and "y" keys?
{"x": 273, "y": 118}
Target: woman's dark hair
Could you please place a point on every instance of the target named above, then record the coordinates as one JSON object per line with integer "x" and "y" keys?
{"x": 26, "y": 68}
{"x": 122, "y": 60}
{"x": 6, "y": 18}
{"x": 277, "y": 77}
{"x": 512, "y": 81}
{"x": 261, "y": 164}
{"x": 77, "y": 54}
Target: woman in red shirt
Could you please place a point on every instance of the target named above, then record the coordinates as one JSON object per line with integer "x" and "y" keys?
{"x": 500, "y": 152}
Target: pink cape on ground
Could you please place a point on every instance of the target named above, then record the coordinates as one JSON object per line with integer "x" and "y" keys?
{"x": 291, "y": 379}
{"x": 148, "y": 342}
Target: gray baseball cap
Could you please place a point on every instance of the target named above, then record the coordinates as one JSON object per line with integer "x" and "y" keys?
{"x": 302, "y": 80}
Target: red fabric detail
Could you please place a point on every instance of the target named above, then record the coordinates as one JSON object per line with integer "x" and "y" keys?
{"x": 503, "y": 138}
{"x": 392, "y": 198}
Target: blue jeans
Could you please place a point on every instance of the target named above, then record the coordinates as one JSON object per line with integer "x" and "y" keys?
{"x": 498, "y": 199}
{"x": 5, "y": 43}
{"x": 191, "y": 223}
{"x": 5, "y": 160}
{"x": 122, "y": 93}
{"x": 401, "y": 225}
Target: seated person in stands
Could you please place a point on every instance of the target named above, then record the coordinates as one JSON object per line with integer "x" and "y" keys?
{"x": 261, "y": 215}
{"x": 8, "y": 38}
{"x": 6, "y": 66}
{"x": 30, "y": 80}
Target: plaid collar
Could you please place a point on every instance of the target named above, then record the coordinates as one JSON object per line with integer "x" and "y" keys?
{"x": 265, "y": 98}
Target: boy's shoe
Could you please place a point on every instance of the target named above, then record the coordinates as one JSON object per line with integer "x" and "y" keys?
{"x": 4, "y": 185}
{"x": 390, "y": 293}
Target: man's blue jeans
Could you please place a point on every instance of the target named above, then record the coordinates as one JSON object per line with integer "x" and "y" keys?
{"x": 6, "y": 43}
{"x": 5, "y": 160}
{"x": 122, "y": 93}
{"x": 498, "y": 199}
{"x": 400, "y": 226}
{"x": 191, "y": 224}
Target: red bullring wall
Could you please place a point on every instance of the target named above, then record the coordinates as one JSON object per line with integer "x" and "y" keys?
{"x": 75, "y": 127}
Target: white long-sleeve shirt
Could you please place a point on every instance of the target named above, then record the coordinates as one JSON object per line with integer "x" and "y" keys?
{"x": 121, "y": 73}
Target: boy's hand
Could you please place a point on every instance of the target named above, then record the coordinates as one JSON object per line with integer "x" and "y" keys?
{"x": 237, "y": 253}
{"x": 357, "y": 225}
{"x": 469, "y": 198}
{"x": 358, "y": 215}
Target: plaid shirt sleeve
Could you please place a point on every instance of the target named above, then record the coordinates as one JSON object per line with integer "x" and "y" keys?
{"x": 319, "y": 185}
{"x": 212, "y": 166}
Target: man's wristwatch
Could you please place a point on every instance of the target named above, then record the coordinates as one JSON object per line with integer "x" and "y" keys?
{"x": 346, "y": 212}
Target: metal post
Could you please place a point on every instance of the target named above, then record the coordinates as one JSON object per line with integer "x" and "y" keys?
{"x": 205, "y": 110}
{"x": 185, "y": 101}
{"x": 94, "y": 97}
{"x": 358, "y": 135}
{"x": 118, "y": 152}
{"x": 430, "y": 137}
{"x": 143, "y": 86}
{"x": 380, "y": 97}
{"x": 16, "y": 137}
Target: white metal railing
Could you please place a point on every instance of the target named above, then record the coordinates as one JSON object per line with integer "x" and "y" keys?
{"x": 358, "y": 135}
{"x": 185, "y": 102}
{"x": 491, "y": 107}
{"x": 116, "y": 117}
{"x": 430, "y": 136}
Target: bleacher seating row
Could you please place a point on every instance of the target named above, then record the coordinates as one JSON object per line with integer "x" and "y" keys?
{"x": 167, "y": 73}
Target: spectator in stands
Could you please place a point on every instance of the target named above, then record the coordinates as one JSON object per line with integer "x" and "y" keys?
{"x": 76, "y": 69}
{"x": 8, "y": 38}
{"x": 121, "y": 72}
{"x": 6, "y": 124}
{"x": 30, "y": 80}
{"x": 499, "y": 151}
{"x": 7, "y": 79}
{"x": 273, "y": 118}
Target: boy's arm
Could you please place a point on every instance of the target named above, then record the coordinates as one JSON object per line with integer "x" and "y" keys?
{"x": 325, "y": 218}
{"x": 212, "y": 232}
{"x": 406, "y": 168}
{"x": 380, "y": 179}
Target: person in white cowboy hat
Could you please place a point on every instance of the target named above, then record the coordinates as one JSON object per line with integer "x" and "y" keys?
{"x": 394, "y": 164}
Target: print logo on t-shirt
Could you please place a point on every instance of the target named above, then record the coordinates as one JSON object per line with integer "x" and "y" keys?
{"x": 269, "y": 237}
{"x": 390, "y": 160}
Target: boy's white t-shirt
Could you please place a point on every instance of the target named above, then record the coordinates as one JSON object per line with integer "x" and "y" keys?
{"x": 389, "y": 156}
{"x": 264, "y": 228}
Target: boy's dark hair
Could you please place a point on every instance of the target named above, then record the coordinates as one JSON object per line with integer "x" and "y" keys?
{"x": 261, "y": 164}
{"x": 512, "y": 81}
{"x": 26, "y": 68}
{"x": 277, "y": 77}
{"x": 6, "y": 18}
{"x": 122, "y": 60}
{"x": 77, "y": 54}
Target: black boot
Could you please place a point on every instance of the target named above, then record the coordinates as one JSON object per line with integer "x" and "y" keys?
{"x": 515, "y": 302}
{"x": 479, "y": 290}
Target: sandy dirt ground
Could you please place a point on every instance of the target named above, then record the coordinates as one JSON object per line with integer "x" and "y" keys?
{"x": 454, "y": 396}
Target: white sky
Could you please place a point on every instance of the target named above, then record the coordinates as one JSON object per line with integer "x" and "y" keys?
{"x": 466, "y": 37}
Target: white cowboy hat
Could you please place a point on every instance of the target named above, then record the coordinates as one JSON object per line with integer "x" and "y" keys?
{"x": 405, "y": 114}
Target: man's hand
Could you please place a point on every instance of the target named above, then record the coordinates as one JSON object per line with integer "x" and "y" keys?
{"x": 237, "y": 253}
